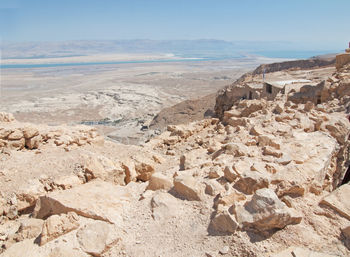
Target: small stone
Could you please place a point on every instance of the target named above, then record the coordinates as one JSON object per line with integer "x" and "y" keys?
{"x": 267, "y": 150}
{"x": 159, "y": 181}
{"x": 15, "y": 135}
{"x": 224, "y": 221}
{"x": 224, "y": 250}
{"x": 12, "y": 212}
{"x": 58, "y": 225}
{"x": 230, "y": 174}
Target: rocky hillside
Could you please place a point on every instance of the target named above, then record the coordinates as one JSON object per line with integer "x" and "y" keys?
{"x": 185, "y": 112}
{"x": 264, "y": 179}
{"x": 316, "y": 62}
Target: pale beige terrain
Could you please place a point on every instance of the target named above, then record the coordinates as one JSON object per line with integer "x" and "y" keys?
{"x": 121, "y": 96}
{"x": 263, "y": 179}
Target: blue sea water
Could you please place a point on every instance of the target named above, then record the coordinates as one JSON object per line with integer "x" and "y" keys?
{"x": 182, "y": 58}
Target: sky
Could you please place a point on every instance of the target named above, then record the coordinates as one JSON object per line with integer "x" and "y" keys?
{"x": 316, "y": 23}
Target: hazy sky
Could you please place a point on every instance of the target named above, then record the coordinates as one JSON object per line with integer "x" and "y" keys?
{"x": 322, "y": 23}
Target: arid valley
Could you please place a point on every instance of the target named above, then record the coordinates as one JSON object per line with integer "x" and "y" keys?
{"x": 120, "y": 97}
{"x": 174, "y": 128}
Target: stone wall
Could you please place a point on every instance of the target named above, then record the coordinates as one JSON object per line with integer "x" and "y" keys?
{"x": 341, "y": 60}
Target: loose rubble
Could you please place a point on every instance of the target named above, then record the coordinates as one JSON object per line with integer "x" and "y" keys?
{"x": 266, "y": 178}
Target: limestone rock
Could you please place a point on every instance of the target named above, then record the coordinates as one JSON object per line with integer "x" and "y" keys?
{"x": 236, "y": 149}
{"x": 237, "y": 122}
{"x": 339, "y": 128}
{"x": 4, "y": 133}
{"x": 229, "y": 199}
{"x": 144, "y": 171}
{"x": 29, "y": 228}
{"x": 30, "y": 132}
{"x": 265, "y": 212}
{"x": 16, "y": 144}
{"x": 164, "y": 206}
{"x": 93, "y": 168}
{"x": 95, "y": 238}
{"x": 290, "y": 188}
{"x": 15, "y": 135}
{"x": 230, "y": 174}
{"x": 215, "y": 172}
{"x": 192, "y": 159}
{"x": 130, "y": 172}
{"x": 224, "y": 221}
{"x": 159, "y": 181}
{"x": 33, "y": 142}
{"x": 337, "y": 200}
{"x": 97, "y": 200}
{"x": 188, "y": 187}
{"x": 6, "y": 117}
{"x": 212, "y": 187}
{"x": 268, "y": 140}
{"x": 250, "y": 181}
{"x": 68, "y": 181}
{"x": 28, "y": 194}
{"x": 251, "y": 106}
{"x": 267, "y": 150}
{"x": 26, "y": 246}
{"x": 58, "y": 225}
{"x": 257, "y": 130}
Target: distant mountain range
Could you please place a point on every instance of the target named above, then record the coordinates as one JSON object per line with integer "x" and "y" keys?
{"x": 183, "y": 48}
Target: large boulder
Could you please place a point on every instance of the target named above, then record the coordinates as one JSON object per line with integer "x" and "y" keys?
{"x": 97, "y": 200}
{"x": 265, "y": 212}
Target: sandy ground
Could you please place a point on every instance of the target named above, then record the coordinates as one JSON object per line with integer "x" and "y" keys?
{"x": 118, "y": 98}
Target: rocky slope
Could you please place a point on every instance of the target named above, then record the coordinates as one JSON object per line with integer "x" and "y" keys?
{"x": 185, "y": 112}
{"x": 264, "y": 179}
{"x": 316, "y": 62}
